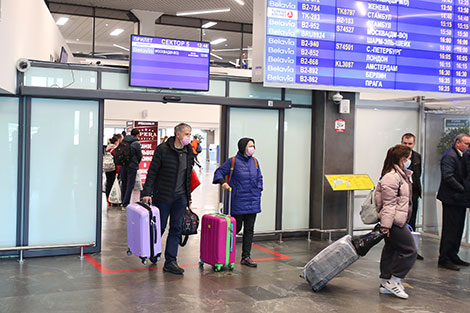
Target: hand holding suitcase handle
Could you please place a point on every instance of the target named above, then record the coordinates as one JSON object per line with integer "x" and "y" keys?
{"x": 147, "y": 200}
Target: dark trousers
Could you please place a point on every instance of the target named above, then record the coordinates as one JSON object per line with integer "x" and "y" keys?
{"x": 453, "y": 222}
{"x": 128, "y": 181}
{"x": 175, "y": 210}
{"x": 110, "y": 177}
{"x": 414, "y": 211}
{"x": 248, "y": 223}
{"x": 398, "y": 254}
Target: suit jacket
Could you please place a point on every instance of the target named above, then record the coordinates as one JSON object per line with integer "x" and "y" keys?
{"x": 451, "y": 189}
{"x": 416, "y": 167}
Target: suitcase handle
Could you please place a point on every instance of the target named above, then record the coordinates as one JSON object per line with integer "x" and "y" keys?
{"x": 229, "y": 191}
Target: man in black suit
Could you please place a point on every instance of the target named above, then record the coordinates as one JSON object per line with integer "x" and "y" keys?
{"x": 409, "y": 140}
{"x": 451, "y": 193}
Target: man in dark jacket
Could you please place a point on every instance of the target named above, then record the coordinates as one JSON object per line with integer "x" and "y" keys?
{"x": 168, "y": 182}
{"x": 129, "y": 171}
{"x": 409, "y": 140}
{"x": 451, "y": 193}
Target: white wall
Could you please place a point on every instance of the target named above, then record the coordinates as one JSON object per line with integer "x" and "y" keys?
{"x": 27, "y": 30}
{"x": 116, "y": 113}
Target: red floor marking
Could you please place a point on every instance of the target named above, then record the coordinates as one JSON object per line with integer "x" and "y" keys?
{"x": 104, "y": 270}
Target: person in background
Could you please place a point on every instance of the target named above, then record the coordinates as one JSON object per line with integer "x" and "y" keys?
{"x": 409, "y": 140}
{"x": 393, "y": 198}
{"x": 451, "y": 193}
{"x": 168, "y": 186}
{"x": 246, "y": 182}
{"x": 129, "y": 171}
{"x": 194, "y": 144}
{"x": 111, "y": 176}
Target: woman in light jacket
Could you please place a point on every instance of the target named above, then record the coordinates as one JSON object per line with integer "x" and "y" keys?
{"x": 394, "y": 205}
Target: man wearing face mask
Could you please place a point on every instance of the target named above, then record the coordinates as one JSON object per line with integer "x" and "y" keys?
{"x": 451, "y": 193}
{"x": 168, "y": 187}
{"x": 242, "y": 173}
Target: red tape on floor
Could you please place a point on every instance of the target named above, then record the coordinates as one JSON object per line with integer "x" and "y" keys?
{"x": 104, "y": 270}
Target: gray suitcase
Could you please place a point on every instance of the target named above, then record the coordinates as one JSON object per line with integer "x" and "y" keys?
{"x": 329, "y": 262}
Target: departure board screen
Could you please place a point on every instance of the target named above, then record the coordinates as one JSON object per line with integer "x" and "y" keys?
{"x": 169, "y": 63}
{"x": 386, "y": 44}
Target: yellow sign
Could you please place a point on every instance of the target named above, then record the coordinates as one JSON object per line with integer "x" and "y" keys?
{"x": 350, "y": 182}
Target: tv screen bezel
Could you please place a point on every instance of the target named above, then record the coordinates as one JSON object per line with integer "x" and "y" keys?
{"x": 166, "y": 88}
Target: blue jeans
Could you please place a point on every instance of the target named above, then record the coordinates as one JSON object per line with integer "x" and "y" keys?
{"x": 128, "y": 183}
{"x": 175, "y": 210}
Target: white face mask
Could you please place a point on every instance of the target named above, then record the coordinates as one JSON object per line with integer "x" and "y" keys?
{"x": 407, "y": 163}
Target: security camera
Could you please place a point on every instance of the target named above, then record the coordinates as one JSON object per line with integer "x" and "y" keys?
{"x": 337, "y": 97}
{"x": 22, "y": 65}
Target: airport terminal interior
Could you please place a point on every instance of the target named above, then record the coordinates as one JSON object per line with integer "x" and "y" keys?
{"x": 324, "y": 88}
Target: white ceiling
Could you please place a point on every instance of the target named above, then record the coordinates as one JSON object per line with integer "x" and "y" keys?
{"x": 238, "y": 13}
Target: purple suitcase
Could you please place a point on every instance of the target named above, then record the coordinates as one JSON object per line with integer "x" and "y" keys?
{"x": 143, "y": 232}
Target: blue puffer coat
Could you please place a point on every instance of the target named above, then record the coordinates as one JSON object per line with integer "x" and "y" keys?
{"x": 246, "y": 183}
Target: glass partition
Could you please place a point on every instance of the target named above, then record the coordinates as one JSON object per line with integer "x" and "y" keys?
{"x": 60, "y": 78}
{"x": 120, "y": 81}
{"x": 255, "y": 91}
{"x": 299, "y": 96}
{"x": 63, "y": 169}
{"x": 296, "y": 184}
{"x": 9, "y": 170}
{"x": 262, "y": 126}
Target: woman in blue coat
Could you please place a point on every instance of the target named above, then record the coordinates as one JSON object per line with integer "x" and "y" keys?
{"x": 247, "y": 183}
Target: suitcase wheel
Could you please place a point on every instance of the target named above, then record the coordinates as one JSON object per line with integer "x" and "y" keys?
{"x": 155, "y": 259}
{"x": 231, "y": 266}
{"x": 129, "y": 253}
{"x": 217, "y": 268}
{"x": 201, "y": 263}
{"x": 144, "y": 261}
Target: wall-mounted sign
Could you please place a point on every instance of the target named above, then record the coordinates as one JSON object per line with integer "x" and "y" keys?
{"x": 340, "y": 125}
{"x": 451, "y": 123}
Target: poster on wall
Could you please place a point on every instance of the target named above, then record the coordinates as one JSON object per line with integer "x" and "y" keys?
{"x": 452, "y": 123}
{"x": 148, "y": 138}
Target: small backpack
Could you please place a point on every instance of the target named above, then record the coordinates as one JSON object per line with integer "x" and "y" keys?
{"x": 198, "y": 148}
{"x": 123, "y": 154}
{"x": 370, "y": 208}
{"x": 108, "y": 162}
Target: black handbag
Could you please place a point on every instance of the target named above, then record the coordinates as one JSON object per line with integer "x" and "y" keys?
{"x": 190, "y": 226}
{"x": 364, "y": 243}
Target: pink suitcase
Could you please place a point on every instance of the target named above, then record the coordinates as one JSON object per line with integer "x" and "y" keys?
{"x": 143, "y": 232}
{"x": 218, "y": 239}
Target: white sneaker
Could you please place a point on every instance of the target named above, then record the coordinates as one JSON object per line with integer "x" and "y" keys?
{"x": 384, "y": 291}
{"x": 396, "y": 289}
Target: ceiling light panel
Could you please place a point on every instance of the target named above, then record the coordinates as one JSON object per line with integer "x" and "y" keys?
{"x": 202, "y": 12}
{"x": 217, "y": 41}
{"x": 61, "y": 21}
{"x": 116, "y": 32}
{"x": 209, "y": 24}
{"x": 240, "y": 2}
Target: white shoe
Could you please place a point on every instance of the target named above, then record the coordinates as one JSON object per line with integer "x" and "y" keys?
{"x": 396, "y": 289}
{"x": 384, "y": 291}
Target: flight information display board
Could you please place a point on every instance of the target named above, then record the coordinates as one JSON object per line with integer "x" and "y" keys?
{"x": 169, "y": 63}
{"x": 386, "y": 44}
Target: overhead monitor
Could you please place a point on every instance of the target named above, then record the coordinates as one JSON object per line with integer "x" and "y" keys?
{"x": 169, "y": 63}
{"x": 64, "y": 56}
{"x": 414, "y": 45}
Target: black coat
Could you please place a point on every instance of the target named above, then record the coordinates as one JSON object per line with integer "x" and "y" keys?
{"x": 163, "y": 171}
{"x": 416, "y": 167}
{"x": 451, "y": 189}
{"x": 466, "y": 163}
{"x": 136, "y": 151}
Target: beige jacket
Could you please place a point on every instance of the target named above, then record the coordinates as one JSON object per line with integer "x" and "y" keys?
{"x": 394, "y": 207}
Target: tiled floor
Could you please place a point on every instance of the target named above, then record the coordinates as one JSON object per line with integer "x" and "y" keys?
{"x": 66, "y": 284}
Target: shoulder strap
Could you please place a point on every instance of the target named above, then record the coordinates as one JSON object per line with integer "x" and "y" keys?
{"x": 231, "y": 170}
{"x": 256, "y": 162}
{"x": 400, "y": 181}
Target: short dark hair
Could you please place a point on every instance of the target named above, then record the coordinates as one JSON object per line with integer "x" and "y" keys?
{"x": 180, "y": 127}
{"x": 135, "y": 132}
{"x": 408, "y": 135}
